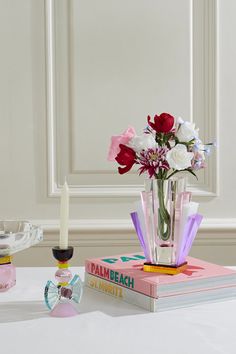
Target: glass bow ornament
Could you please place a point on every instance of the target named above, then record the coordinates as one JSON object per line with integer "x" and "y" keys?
{"x": 62, "y": 299}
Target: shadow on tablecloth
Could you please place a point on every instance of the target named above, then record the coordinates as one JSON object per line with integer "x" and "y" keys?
{"x": 92, "y": 301}
{"x": 22, "y": 311}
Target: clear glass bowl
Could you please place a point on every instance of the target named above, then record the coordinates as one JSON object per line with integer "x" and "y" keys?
{"x": 17, "y": 235}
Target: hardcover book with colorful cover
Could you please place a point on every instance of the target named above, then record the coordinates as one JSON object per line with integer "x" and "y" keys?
{"x": 126, "y": 271}
{"x": 162, "y": 303}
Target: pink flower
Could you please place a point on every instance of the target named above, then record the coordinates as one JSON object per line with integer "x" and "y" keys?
{"x": 116, "y": 140}
{"x": 152, "y": 160}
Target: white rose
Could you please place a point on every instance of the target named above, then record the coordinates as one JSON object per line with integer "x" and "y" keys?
{"x": 186, "y": 132}
{"x": 143, "y": 142}
{"x": 179, "y": 158}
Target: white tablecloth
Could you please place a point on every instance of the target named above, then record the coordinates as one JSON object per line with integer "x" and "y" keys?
{"x": 106, "y": 325}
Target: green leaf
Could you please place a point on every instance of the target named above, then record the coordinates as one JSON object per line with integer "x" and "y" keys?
{"x": 173, "y": 173}
{"x": 190, "y": 171}
{"x": 187, "y": 170}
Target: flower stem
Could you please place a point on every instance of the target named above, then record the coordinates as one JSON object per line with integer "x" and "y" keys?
{"x": 163, "y": 215}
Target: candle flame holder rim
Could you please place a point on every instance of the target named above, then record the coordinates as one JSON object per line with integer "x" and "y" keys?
{"x": 61, "y": 254}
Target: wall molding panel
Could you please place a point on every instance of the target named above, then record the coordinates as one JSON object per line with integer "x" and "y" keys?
{"x": 203, "y": 38}
{"x": 101, "y": 227}
{"x": 215, "y": 241}
{"x": 74, "y": 72}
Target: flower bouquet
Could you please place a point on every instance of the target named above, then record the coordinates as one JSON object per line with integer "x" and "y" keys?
{"x": 166, "y": 220}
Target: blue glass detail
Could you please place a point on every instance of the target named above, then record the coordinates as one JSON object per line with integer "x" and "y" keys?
{"x": 55, "y": 293}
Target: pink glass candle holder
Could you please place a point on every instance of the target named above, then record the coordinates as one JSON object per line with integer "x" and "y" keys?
{"x": 62, "y": 299}
{"x": 7, "y": 273}
{"x": 15, "y": 236}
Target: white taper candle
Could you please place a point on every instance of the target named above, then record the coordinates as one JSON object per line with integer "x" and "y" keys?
{"x": 64, "y": 217}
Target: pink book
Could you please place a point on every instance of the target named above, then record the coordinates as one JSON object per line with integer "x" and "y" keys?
{"x": 126, "y": 270}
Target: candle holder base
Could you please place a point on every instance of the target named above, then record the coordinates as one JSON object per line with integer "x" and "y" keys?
{"x": 62, "y": 299}
{"x": 64, "y": 310}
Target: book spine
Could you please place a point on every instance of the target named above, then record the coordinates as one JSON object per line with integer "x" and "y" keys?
{"x": 120, "y": 292}
{"x": 117, "y": 277}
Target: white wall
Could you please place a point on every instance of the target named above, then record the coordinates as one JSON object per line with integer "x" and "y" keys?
{"x": 75, "y": 73}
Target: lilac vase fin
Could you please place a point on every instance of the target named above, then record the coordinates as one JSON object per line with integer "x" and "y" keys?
{"x": 141, "y": 218}
{"x": 197, "y": 221}
{"x": 146, "y": 198}
{"x": 188, "y": 208}
{"x": 186, "y": 232}
{"x": 137, "y": 226}
{"x": 136, "y": 223}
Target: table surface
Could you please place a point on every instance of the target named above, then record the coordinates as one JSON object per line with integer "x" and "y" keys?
{"x": 106, "y": 325}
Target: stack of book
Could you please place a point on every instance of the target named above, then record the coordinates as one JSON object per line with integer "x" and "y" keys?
{"x": 122, "y": 277}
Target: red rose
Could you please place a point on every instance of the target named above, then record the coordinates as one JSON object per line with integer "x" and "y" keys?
{"x": 162, "y": 123}
{"x": 126, "y": 157}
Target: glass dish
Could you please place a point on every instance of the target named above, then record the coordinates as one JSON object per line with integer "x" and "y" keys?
{"x": 15, "y": 236}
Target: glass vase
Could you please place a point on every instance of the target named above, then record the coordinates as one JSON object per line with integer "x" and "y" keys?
{"x": 162, "y": 203}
